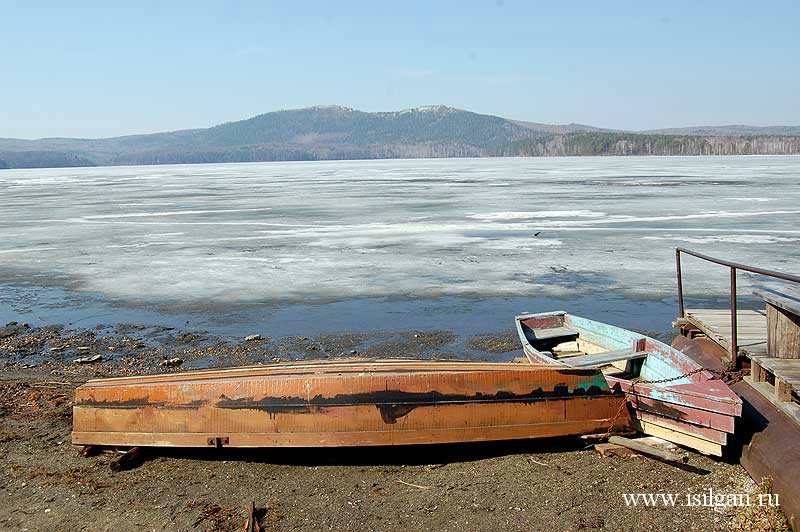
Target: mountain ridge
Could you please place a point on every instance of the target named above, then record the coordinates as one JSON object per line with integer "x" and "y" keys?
{"x": 338, "y": 132}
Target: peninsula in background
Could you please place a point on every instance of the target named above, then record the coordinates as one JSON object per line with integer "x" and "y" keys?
{"x": 334, "y": 132}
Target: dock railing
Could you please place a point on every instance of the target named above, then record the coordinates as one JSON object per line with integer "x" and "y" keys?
{"x": 734, "y": 268}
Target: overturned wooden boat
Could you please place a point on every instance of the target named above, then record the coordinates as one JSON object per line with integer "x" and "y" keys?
{"x": 670, "y": 395}
{"x": 347, "y": 403}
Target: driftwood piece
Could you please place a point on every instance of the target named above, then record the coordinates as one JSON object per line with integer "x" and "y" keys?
{"x": 649, "y": 450}
{"x": 251, "y": 525}
{"x": 90, "y": 450}
{"x": 132, "y": 458}
{"x": 413, "y": 485}
{"x": 607, "y": 450}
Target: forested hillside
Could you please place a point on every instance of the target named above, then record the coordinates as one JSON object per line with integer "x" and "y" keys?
{"x": 333, "y": 132}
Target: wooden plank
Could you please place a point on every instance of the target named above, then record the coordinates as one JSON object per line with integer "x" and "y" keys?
{"x": 757, "y": 372}
{"x": 743, "y": 316}
{"x": 727, "y": 319}
{"x": 612, "y": 449}
{"x": 752, "y": 341}
{"x": 726, "y": 314}
{"x": 705, "y": 433}
{"x": 599, "y": 359}
{"x": 715, "y": 324}
{"x": 655, "y": 441}
{"x": 787, "y": 370}
{"x": 742, "y": 331}
{"x": 753, "y": 330}
{"x": 783, "y": 332}
{"x": 766, "y": 389}
{"x": 779, "y": 364}
{"x": 783, "y": 390}
{"x": 726, "y": 311}
{"x": 786, "y": 298}
{"x": 749, "y": 319}
{"x": 753, "y": 351}
{"x": 791, "y": 377}
{"x": 554, "y": 332}
{"x": 348, "y": 439}
{"x": 649, "y": 450}
{"x": 699, "y": 444}
{"x": 703, "y": 418}
{"x": 607, "y": 450}
{"x": 725, "y": 330}
{"x": 712, "y": 395}
{"x": 749, "y": 336}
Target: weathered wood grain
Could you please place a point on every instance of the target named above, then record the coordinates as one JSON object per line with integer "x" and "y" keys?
{"x": 353, "y": 403}
{"x": 716, "y": 324}
{"x": 783, "y": 332}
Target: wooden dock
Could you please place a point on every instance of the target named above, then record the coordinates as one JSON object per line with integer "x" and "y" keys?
{"x": 769, "y": 342}
{"x": 777, "y": 379}
{"x": 716, "y": 325}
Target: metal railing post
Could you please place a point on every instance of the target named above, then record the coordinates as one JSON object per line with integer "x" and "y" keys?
{"x": 680, "y": 283}
{"x": 734, "y": 322}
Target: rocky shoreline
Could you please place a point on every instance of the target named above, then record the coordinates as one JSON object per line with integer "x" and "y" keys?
{"x": 127, "y": 349}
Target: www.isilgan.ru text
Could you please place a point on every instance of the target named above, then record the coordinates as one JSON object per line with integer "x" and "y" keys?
{"x": 710, "y": 499}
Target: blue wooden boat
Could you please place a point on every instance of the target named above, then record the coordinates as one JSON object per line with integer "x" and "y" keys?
{"x": 670, "y": 395}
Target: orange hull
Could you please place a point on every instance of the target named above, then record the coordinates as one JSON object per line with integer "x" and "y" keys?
{"x": 351, "y": 403}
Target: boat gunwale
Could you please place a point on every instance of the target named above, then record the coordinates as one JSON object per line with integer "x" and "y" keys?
{"x": 376, "y": 368}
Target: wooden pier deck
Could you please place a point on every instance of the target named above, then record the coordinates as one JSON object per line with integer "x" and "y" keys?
{"x": 716, "y": 325}
{"x": 777, "y": 379}
{"x": 769, "y": 340}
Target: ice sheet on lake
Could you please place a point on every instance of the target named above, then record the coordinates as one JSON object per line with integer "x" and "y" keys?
{"x": 341, "y": 229}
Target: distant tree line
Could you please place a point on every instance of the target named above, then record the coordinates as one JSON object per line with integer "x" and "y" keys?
{"x": 300, "y": 153}
{"x": 637, "y": 144}
{"x": 43, "y": 159}
{"x": 540, "y": 145}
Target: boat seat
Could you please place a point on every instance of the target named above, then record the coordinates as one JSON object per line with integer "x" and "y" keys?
{"x": 554, "y": 332}
{"x": 600, "y": 359}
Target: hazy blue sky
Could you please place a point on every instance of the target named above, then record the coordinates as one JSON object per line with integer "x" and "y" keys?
{"x": 104, "y": 68}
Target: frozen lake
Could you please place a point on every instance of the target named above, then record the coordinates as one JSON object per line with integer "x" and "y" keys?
{"x": 275, "y": 233}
